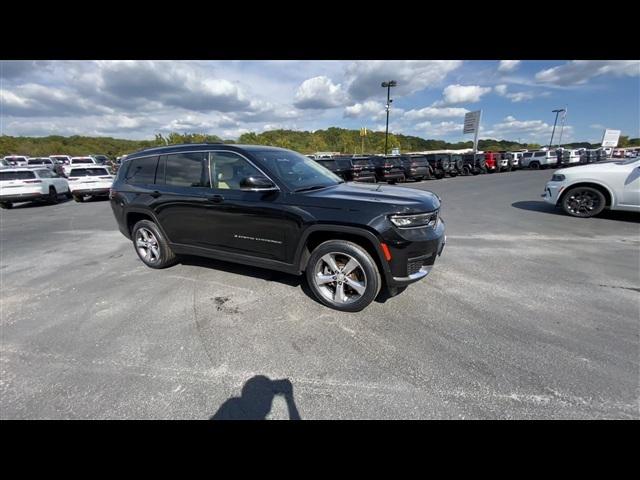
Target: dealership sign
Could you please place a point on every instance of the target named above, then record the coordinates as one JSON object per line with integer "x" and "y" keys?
{"x": 471, "y": 122}
{"x": 610, "y": 138}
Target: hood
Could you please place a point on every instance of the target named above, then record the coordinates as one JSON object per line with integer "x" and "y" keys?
{"x": 610, "y": 166}
{"x": 389, "y": 198}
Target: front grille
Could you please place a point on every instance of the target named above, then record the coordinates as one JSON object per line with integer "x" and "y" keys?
{"x": 414, "y": 266}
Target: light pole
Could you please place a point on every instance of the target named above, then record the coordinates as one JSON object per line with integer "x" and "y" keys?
{"x": 564, "y": 116}
{"x": 554, "y": 125}
{"x": 388, "y": 85}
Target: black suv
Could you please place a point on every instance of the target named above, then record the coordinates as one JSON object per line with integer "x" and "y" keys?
{"x": 363, "y": 170}
{"x": 415, "y": 167}
{"x": 277, "y": 209}
{"x": 388, "y": 169}
{"x": 341, "y": 166}
{"x": 473, "y": 164}
{"x": 439, "y": 163}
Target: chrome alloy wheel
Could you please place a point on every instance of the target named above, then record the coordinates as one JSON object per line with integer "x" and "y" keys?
{"x": 147, "y": 245}
{"x": 582, "y": 202}
{"x": 340, "y": 278}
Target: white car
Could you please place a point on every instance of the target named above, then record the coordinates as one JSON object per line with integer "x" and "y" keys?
{"x": 61, "y": 159}
{"x": 27, "y": 184}
{"x": 571, "y": 157}
{"x": 39, "y": 162}
{"x": 515, "y": 159}
{"x": 77, "y": 161}
{"x": 587, "y": 190}
{"x": 16, "y": 160}
{"x": 91, "y": 180}
{"x": 539, "y": 159}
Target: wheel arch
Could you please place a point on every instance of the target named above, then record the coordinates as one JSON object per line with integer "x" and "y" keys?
{"x": 317, "y": 234}
{"x": 608, "y": 194}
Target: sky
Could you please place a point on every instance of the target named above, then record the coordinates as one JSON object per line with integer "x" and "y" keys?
{"x": 137, "y": 99}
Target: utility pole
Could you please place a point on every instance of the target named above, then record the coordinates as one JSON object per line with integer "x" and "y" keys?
{"x": 388, "y": 85}
{"x": 554, "y": 126}
{"x": 564, "y": 115}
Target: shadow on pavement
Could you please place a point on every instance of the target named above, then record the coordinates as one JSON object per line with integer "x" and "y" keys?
{"x": 268, "y": 275}
{"x": 256, "y": 399}
{"x": 544, "y": 207}
{"x": 33, "y": 204}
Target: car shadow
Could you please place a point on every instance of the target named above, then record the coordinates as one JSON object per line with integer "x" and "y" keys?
{"x": 544, "y": 207}
{"x": 34, "y": 204}
{"x": 267, "y": 275}
{"x": 256, "y": 399}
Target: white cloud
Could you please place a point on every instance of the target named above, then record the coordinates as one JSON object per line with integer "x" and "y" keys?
{"x": 533, "y": 130}
{"x": 319, "y": 92}
{"x": 508, "y": 65}
{"x": 364, "y": 78}
{"x": 435, "y": 112}
{"x": 454, "y": 94}
{"x": 517, "y": 96}
{"x": 439, "y": 129}
{"x": 370, "y": 109}
{"x": 577, "y": 72}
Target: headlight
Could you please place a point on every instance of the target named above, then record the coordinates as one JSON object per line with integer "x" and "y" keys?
{"x": 557, "y": 177}
{"x": 414, "y": 221}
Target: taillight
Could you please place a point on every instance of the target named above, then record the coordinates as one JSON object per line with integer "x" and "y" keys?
{"x": 32, "y": 181}
{"x": 73, "y": 178}
{"x": 107, "y": 178}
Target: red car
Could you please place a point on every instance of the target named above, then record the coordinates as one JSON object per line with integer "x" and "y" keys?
{"x": 492, "y": 161}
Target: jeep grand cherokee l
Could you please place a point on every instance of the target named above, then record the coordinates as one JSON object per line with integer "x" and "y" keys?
{"x": 275, "y": 208}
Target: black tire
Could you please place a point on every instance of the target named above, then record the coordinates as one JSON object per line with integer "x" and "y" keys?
{"x": 534, "y": 166}
{"x": 366, "y": 271}
{"x": 583, "y": 202}
{"x": 453, "y": 174}
{"x": 52, "y": 199}
{"x": 164, "y": 257}
{"x": 78, "y": 198}
{"x": 6, "y": 205}
{"x": 68, "y": 195}
{"x": 467, "y": 171}
{"x": 439, "y": 174}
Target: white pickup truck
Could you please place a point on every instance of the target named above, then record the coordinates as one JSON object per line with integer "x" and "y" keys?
{"x": 27, "y": 184}
{"x": 89, "y": 180}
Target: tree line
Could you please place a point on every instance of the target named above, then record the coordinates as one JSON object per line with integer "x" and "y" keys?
{"x": 332, "y": 139}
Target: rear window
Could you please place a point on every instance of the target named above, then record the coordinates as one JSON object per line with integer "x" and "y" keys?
{"x": 81, "y": 160}
{"x": 419, "y": 161}
{"x": 395, "y": 162}
{"x": 142, "y": 170}
{"x": 38, "y": 161}
{"x": 88, "y": 172}
{"x": 6, "y": 176}
{"x": 363, "y": 162}
{"x": 343, "y": 163}
{"x": 330, "y": 164}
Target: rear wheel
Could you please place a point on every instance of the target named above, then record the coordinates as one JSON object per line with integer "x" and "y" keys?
{"x": 342, "y": 275}
{"x": 151, "y": 245}
{"x": 534, "y": 165}
{"x": 53, "y": 196}
{"x": 583, "y": 202}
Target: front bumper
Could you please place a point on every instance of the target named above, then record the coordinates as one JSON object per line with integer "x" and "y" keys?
{"x": 552, "y": 192}
{"x": 413, "y": 253}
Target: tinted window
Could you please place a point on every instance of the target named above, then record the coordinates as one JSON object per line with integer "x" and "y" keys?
{"x": 228, "y": 169}
{"x": 187, "y": 170}
{"x": 527, "y": 155}
{"x": 330, "y": 164}
{"x": 4, "y": 176}
{"x": 88, "y": 172}
{"x": 295, "y": 170}
{"x": 45, "y": 173}
{"x": 81, "y": 160}
{"x": 362, "y": 162}
{"x": 343, "y": 163}
{"x": 142, "y": 170}
{"x": 35, "y": 162}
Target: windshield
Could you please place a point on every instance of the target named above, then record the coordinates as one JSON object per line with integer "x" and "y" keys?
{"x": 88, "y": 172}
{"x": 36, "y": 162}
{"x": 297, "y": 171}
{"x": 5, "y": 176}
{"x": 364, "y": 162}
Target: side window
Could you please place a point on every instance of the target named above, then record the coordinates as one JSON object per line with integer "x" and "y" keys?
{"x": 186, "y": 170}
{"x": 44, "y": 174}
{"x": 142, "y": 171}
{"x": 228, "y": 169}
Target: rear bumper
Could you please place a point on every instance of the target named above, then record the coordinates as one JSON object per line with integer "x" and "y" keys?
{"x": 22, "y": 197}
{"x": 370, "y": 178}
{"x": 90, "y": 191}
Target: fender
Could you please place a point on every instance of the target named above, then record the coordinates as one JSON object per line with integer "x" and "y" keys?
{"x": 148, "y": 213}
{"x": 582, "y": 181}
{"x": 375, "y": 241}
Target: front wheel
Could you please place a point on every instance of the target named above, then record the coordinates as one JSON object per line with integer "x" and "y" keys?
{"x": 583, "y": 202}
{"x": 52, "y": 199}
{"x": 343, "y": 276}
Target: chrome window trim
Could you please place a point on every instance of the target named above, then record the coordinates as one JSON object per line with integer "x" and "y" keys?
{"x": 251, "y": 163}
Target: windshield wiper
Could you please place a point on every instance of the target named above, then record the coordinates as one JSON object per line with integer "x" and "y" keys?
{"x": 312, "y": 187}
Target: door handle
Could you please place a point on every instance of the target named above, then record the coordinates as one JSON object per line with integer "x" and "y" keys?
{"x": 155, "y": 194}
{"x": 215, "y": 198}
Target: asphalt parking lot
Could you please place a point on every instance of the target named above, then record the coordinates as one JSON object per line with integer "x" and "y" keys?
{"x": 528, "y": 314}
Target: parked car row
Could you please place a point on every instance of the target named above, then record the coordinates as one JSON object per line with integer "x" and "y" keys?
{"x": 417, "y": 167}
{"x": 36, "y": 182}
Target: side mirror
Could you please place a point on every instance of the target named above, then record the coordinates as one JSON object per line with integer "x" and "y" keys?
{"x": 257, "y": 183}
